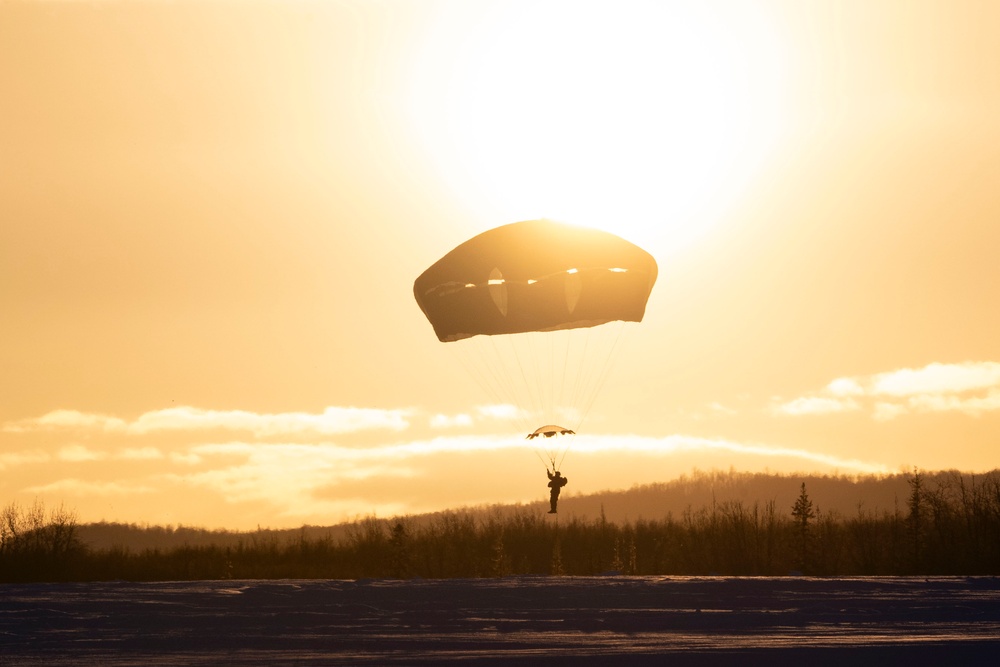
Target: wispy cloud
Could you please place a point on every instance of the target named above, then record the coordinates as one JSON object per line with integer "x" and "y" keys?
{"x": 185, "y": 458}
{"x": 14, "y": 459}
{"x": 450, "y": 421}
{"x": 501, "y": 411}
{"x": 332, "y": 421}
{"x": 67, "y": 419}
{"x": 972, "y": 405}
{"x": 712, "y": 410}
{"x": 84, "y": 488}
{"x": 845, "y": 387}
{"x": 883, "y": 411}
{"x": 936, "y": 379}
{"x": 817, "y": 405}
{"x": 681, "y": 443}
{"x": 720, "y": 409}
{"x": 971, "y": 388}
{"x": 76, "y": 453}
{"x": 140, "y": 454}
{"x": 287, "y": 476}
{"x": 79, "y": 453}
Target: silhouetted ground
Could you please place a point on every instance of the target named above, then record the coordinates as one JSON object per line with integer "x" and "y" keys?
{"x": 947, "y": 525}
{"x": 516, "y": 620}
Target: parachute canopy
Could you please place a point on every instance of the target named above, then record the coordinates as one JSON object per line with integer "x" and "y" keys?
{"x": 536, "y": 275}
{"x": 549, "y": 431}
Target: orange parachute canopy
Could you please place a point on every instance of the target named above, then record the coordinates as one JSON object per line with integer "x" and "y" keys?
{"x": 536, "y": 275}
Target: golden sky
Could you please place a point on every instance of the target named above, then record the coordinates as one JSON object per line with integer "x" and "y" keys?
{"x": 212, "y": 214}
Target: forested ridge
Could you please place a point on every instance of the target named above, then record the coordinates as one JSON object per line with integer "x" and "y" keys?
{"x": 943, "y": 523}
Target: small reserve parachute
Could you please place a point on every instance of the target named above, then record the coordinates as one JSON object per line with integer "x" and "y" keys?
{"x": 549, "y": 431}
{"x": 535, "y": 310}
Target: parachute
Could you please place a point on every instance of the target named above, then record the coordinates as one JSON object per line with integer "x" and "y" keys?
{"x": 537, "y": 308}
{"x": 549, "y": 431}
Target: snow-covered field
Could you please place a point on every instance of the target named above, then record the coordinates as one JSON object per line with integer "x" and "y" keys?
{"x": 538, "y": 620}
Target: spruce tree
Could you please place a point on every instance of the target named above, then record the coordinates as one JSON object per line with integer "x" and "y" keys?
{"x": 915, "y": 520}
{"x": 802, "y": 512}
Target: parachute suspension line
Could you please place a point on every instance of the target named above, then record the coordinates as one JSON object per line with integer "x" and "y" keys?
{"x": 543, "y": 459}
{"x": 512, "y": 386}
{"x": 558, "y": 366}
{"x": 543, "y": 361}
{"x": 565, "y": 369}
{"x": 559, "y": 456}
{"x": 548, "y": 460}
{"x": 534, "y": 374}
{"x": 552, "y": 373}
{"x": 483, "y": 373}
{"x": 485, "y": 364}
{"x": 583, "y": 371}
{"x": 581, "y": 377}
{"x": 562, "y": 363}
{"x": 571, "y": 373}
{"x": 529, "y": 389}
{"x": 604, "y": 373}
{"x": 545, "y": 364}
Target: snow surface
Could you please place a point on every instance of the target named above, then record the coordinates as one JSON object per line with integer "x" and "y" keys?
{"x": 517, "y": 620}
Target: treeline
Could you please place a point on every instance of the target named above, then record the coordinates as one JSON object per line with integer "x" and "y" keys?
{"x": 946, "y": 524}
{"x": 841, "y": 493}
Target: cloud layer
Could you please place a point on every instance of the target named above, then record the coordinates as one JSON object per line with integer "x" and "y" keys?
{"x": 971, "y": 388}
{"x": 193, "y": 463}
{"x": 332, "y": 421}
{"x": 170, "y": 464}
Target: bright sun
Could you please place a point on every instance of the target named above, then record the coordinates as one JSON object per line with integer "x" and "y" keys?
{"x": 641, "y": 118}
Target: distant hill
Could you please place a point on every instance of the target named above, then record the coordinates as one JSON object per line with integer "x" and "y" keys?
{"x": 700, "y": 490}
{"x": 693, "y": 493}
